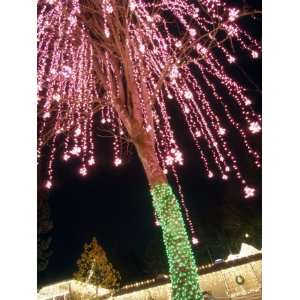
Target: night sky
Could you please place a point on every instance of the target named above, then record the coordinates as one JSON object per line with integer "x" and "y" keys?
{"x": 114, "y": 204}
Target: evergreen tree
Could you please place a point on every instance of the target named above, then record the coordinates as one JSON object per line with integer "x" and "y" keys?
{"x": 94, "y": 268}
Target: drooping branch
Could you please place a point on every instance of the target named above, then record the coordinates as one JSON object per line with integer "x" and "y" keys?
{"x": 131, "y": 61}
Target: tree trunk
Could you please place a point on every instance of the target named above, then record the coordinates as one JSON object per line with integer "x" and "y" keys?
{"x": 182, "y": 266}
{"x": 146, "y": 152}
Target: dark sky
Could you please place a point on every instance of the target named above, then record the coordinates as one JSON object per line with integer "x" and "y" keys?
{"x": 114, "y": 205}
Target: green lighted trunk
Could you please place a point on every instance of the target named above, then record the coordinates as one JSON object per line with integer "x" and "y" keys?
{"x": 182, "y": 266}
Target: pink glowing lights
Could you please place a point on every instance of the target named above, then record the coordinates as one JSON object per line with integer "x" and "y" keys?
{"x": 233, "y": 14}
{"x": 117, "y": 162}
{"x": 254, "y": 127}
{"x": 80, "y": 66}
{"x": 195, "y": 241}
{"x": 48, "y": 184}
{"x": 249, "y": 192}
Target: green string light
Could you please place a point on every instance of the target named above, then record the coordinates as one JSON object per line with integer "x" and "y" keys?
{"x": 182, "y": 266}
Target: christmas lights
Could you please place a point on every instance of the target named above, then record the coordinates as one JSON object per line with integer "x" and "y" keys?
{"x": 183, "y": 270}
{"x": 67, "y": 77}
{"x": 249, "y": 192}
{"x": 107, "y": 63}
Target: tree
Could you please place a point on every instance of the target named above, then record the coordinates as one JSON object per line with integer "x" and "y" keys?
{"x": 127, "y": 62}
{"x": 44, "y": 226}
{"x": 94, "y": 268}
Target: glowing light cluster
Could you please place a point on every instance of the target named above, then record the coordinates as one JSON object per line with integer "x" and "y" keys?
{"x": 183, "y": 270}
{"x": 249, "y": 192}
{"x": 195, "y": 241}
{"x": 104, "y": 60}
{"x": 69, "y": 72}
{"x": 255, "y": 127}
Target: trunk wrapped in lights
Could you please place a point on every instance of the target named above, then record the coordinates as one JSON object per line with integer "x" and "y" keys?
{"x": 183, "y": 270}
{"x": 182, "y": 266}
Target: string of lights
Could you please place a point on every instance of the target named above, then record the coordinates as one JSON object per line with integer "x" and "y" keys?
{"x": 103, "y": 61}
{"x": 67, "y": 81}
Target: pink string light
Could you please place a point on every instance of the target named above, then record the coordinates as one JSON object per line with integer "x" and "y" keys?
{"x": 160, "y": 62}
